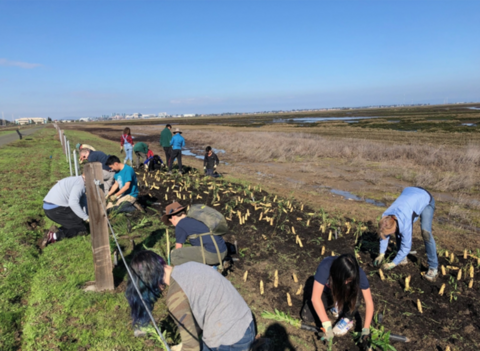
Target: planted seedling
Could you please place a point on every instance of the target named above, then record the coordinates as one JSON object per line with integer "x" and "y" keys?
{"x": 379, "y": 339}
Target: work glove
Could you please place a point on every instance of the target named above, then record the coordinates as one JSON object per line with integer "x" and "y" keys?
{"x": 121, "y": 150}
{"x": 176, "y": 347}
{"x": 379, "y": 260}
{"x": 365, "y": 338}
{"x": 113, "y": 198}
{"x": 388, "y": 266}
{"x": 87, "y": 220}
{"x": 205, "y": 169}
{"x": 214, "y": 166}
{"x": 327, "y": 329}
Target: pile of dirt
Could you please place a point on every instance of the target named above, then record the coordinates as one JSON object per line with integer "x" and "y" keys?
{"x": 281, "y": 234}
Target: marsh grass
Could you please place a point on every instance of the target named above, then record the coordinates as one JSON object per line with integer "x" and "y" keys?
{"x": 439, "y": 167}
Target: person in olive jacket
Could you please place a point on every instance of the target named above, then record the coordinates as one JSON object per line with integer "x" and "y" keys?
{"x": 141, "y": 150}
{"x": 165, "y": 137}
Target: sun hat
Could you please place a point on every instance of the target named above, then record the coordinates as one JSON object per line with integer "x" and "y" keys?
{"x": 177, "y": 130}
{"x": 171, "y": 210}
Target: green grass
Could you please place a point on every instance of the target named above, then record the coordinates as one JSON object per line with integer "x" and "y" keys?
{"x": 5, "y": 132}
{"x": 43, "y": 306}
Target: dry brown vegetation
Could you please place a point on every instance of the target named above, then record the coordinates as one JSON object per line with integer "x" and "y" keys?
{"x": 438, "y": 167}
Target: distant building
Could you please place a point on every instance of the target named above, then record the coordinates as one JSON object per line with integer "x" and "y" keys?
{"x": 31, "y": 120}
{"x": 189, "y": 115}
{"x": 162, "y": 114}
{"x": 85, "y": 119}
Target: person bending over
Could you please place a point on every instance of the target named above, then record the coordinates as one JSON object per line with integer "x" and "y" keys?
{"x": 199, "y": 299}
{"x": 99, "y": 156}
{"x": 141, "y": 151}
{"x": 125, "y": 188}
{"x": 63, "y": 205}
{"x": 184, "y": 227}
{"x": 337, "y": 285}
{"x": 210, "y": 162}
{"x": 398, "y": 219}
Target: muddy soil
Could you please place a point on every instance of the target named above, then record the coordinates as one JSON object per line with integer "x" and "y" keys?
{"x": 311, "y": 182}
{"x": 267, "y": 240}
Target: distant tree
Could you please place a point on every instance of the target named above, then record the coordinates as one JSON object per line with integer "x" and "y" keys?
{"x": 49, "y": 120}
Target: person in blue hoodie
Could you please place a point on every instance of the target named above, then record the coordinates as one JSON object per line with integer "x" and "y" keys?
{"x": 398, "y": 219}
{"x": 176, "y": 143}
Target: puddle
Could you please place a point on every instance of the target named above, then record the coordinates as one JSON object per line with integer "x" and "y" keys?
{"x": 474, "y": 108}
{"x": 201, "y": 155}
{"x": 394, "y": 121}
{"x": 318, "y": 119}
{"x": 349, "y": 196}
{"x": 469, "y": 124}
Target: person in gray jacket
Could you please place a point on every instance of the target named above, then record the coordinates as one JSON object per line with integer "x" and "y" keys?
{"x": 64, "y": 205}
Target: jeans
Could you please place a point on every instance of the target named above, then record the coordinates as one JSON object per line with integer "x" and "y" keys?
{"x": 108, "y": 180}
{"x": 72, "y": 225}
{"x": 244, "y": 344}
{"x": 128, "y": 152}
{"x": 176, "y": 154}
{"x": 426, "y": 218}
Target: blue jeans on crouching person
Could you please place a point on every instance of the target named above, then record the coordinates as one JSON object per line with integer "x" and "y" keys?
{"x": 244, "y": 344}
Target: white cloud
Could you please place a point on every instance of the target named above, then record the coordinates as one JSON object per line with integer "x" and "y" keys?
{"x": 26, "y": 65}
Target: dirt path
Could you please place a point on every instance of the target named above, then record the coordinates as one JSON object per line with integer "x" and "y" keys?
{"x": 10, "y": 138}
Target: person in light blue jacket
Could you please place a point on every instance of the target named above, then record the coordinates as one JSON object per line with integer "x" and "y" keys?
{"x": 398, "y": 219}
{"x": 177, "y": 142}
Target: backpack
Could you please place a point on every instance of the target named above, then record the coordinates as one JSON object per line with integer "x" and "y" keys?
{"x": 216, "y": 223}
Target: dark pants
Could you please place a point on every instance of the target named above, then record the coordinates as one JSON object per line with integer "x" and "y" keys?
{"x": 308, "y": 312}
{"x": 210, "y": 172}
{"x": 176, "y": 154}
{"x": 168, "y": 154}
{"x": 140, "y": 155}
{"x": 71, "y": 224}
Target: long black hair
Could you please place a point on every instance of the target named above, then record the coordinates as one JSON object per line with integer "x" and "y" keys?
{"x": 148, "y": 271}
{"x": 345, "y": 281}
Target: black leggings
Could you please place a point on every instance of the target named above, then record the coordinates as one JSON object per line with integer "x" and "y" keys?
{"x": 72, "y": 225}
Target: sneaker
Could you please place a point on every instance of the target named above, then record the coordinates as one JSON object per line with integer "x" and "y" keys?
{"x": 139, "y": 333}
{"x": 342, "y": 327}
{"x": 431, "y": 275}
{"x": 49, "y": 238}
{"x": 334, "y": 312}
{"x": 404, "y": 262}
{"x": 138, "y": 206}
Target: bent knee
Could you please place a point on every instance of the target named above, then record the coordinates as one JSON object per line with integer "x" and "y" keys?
{"x": 426, "y": 235}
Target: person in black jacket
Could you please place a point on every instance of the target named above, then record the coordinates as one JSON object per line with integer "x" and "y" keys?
{"x": 210, "y": 162}
{"x": 99, "y": 156}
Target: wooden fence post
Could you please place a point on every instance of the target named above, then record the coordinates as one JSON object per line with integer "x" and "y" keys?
{"x": 98, "y": 228}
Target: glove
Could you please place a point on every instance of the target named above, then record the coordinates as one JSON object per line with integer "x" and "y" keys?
{"x": 113, "y": 198}
{"x": 379, "y": 260}
{"x": 87, "y": 220}
{"x": 176, "y": 347}
{"x": 388, "y": 266}
{"x": 121, "y": 150}
{"x": 205, "y": 169}
{"x": 327, "y": 328}
{"x": 214, "y": 166}
{"x": 365, "y": 337}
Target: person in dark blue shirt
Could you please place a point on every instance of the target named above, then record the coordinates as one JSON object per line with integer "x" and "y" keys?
{"x": 184, "y": 227}
{"x": 337, "y": 285}
{"x": 99, "y": 156}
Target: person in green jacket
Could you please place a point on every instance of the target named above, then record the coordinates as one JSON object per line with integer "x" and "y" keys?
{"x": 141, "y": 150}
{"x": 165, "y": 137}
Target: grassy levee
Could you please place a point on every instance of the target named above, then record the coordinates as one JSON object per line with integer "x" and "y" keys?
{"x": 43, "y": 306}
{"x": 27, "y": 172}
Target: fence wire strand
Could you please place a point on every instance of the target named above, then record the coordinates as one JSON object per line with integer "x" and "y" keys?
{"x": 97, "y": 186}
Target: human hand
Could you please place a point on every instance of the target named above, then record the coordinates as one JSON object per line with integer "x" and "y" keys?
{"x": 365, "y": 337}
{"x": 327, "y": 329}
{"x": 176, "y": 347}
{"x": 113, "y": 198}
{"x": 379, "y": 260}
{"x": 388, "y": 266}
{"x": 87, "y": 220}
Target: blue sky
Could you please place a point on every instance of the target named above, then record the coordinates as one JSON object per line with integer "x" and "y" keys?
{"x": 69, "y": 58}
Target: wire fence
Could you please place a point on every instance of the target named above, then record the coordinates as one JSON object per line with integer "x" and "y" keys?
{"x": 66, "y": 147}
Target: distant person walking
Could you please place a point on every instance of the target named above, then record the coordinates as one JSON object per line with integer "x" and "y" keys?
{"x": 126, "y": 143}
{"x": 165, "y": 137}
{"x": 398, "y": 220}
{"x": 177, "y": 143}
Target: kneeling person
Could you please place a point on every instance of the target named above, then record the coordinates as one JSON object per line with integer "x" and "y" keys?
{"x": 198, "y": 298}
{"x": 63, "y": 205}
{"x": 186, "y": 226}
{"x": 125, "y": 183}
